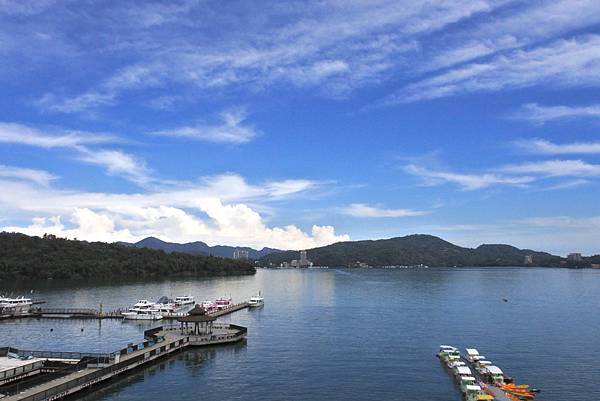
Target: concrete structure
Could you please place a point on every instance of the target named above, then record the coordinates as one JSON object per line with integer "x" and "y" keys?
{"x": 88, "y": 371}
{"x": 574, "y": 257}
{"x": 528, "y": 260}
{"x": 303, "y": 259}
{"x": 241, "y": 254}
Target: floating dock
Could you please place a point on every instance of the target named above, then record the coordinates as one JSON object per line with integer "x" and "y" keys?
{"x": 480, "y": 380}
{"x": 47, "y": 376}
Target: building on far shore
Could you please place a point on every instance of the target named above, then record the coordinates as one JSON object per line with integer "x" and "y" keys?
{"x": 303, "y": 262}
{"x": 574, "y": 257}
{"x": 528, "y": 260}
{"x": 241, "y": 254}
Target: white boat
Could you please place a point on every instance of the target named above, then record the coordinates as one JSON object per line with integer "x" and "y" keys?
{"x": 166, "y": 306}
{"x": 184, "y": 300}
{"x": 223, "y": 303}
{"x": 256, "y": 301}
{"x": 448, "y": 352}
{"x": 209, "y": 306}
{"x": 143, "y": 310}
{"x": 15, "y": 306}
{"x": 144, "y": 304}
{"x": 142, "y": 314}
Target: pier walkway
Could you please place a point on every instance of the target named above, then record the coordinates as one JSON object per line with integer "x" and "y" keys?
{"x": 160, "y": 342}
{"x": 87, "y": 313}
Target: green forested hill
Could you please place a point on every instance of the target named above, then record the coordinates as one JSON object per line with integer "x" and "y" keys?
{"x": 24, "y": 257}
{"x": 414, "y": 250}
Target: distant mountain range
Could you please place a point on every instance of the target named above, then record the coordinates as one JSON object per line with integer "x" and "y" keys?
{"x": 418, "y": 249}
{"x": 200, "y": 248}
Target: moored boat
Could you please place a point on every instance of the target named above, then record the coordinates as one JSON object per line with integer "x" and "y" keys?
{"x": 143, "y": 310}
{"x": 223, "y": 303}
{"x": 142, "y": 314}
{"x": 256, "y": 301}
{"x": 15, "y": 306}
{"x": 209, "y": 306}
{"x": 166, "y": 306}
{"x": 185, "y": 300}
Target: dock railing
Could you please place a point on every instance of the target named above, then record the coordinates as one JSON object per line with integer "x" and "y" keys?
{"x": 61, "y": 354}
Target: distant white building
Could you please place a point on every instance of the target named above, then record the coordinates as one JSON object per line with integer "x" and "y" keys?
{"x": 304, "y": 262}
{"x": 528, "y": 259}
{"x": 574, "y": 257}
{"x": 241, "y": 254}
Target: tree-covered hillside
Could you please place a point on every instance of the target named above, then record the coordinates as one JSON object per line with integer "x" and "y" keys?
{"x": 415, "y": 250}
{"x": 24, "y": 257}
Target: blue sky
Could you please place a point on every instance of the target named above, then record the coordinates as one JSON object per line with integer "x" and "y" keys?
{"x": 297, "y": 124}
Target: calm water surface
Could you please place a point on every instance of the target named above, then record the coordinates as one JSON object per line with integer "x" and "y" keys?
{"x": 348, "y": 334}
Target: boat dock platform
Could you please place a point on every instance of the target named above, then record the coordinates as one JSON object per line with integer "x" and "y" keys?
{"x": 488, "y": 388}
{"x": 89, "y": 313}
{"x": 480, "y": 380}
{"x": 81, "y": 371}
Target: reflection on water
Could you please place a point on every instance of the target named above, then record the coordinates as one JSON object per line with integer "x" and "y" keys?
{"x": 347, "y": 334}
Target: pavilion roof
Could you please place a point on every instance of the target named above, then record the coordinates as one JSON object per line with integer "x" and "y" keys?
{"x": 197, "y": 315}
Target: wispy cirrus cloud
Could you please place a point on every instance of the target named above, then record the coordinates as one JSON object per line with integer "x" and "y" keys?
{"x": 323, "y": 45}
{"x": 571, "y": 62}
{"x": 544, "y": 147}
{"x": 569, "y": 184}
{"x": 83, "y": 145}
{"x": 555, "y": 168}
{"x": 539, "y": 114}
{"x": 36, "y": 176}
{"x": 119, "y": 163}
{"x": 369, "y": 211}
{"x": 231, "y": 129}
{"x": 467, "y": 182}
{"x": 26, "y": 135}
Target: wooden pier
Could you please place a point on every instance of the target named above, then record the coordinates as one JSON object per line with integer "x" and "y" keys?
{"x": 90, "y": 370}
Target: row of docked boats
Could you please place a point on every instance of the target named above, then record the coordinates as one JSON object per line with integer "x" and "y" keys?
{"x": 480, "y": 379}
{"x": 166, "y": 307}
{"x": 147, "y": 310}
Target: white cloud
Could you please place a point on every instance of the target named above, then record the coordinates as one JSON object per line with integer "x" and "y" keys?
{"x": 529, "y": 23}
{"x": 26, "y": 135}
{"x": 538, "y": 114}
{"x": 364, "y": 210}
{"x": 331, "y": 46}
{"x": 120, "y": 164}
{"x": 231, "y": 129}
{"x": 468, "y": 182}
{"x": 116, "y": 162}
{"x": 215, "y": 211}
{"x": 555, "y": 168}
{"x": 54, "y": 104}
{"x": 568, "y": 184}
{"x": 233, "y": 224}
{"x": 556, "y": 234}
{"x": 39, "y": 177}
{"x": 541, "y": 146}
{"x": 562, "y": 63}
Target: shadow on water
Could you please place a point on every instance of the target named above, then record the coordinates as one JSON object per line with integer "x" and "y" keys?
{"x": 187, "y": 363}
{"x": 21, "y": 287}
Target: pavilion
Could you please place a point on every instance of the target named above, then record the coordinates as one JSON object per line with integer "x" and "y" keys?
{"x": 201, "y": 320}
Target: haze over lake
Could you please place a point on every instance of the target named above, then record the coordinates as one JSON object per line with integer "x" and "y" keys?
{"x": 348, "y": 334}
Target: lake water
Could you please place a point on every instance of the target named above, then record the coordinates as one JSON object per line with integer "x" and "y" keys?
{"x": 339, "y": 334}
